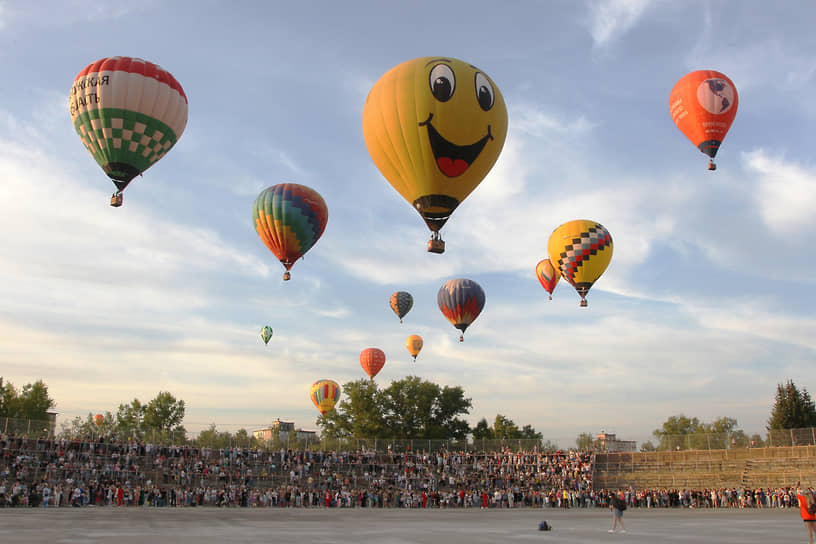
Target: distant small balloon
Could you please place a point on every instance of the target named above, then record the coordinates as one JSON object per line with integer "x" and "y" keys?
{"x": 266, "y": 334}
{"x": 547, "y": 275}
{"x": 372, "y": 360}
{"x": 414, "y": 344}
{"x": 401, "y": 303}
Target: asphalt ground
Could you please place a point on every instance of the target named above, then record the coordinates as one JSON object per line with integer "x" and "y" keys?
{"x": 390, "y": 526}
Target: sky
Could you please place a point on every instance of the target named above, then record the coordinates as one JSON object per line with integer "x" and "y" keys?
{"x": 706, "y": 305}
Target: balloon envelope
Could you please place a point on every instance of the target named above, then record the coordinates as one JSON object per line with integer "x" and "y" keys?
{"x": 99, "y": 419}
{"x": 372, "y": 361}
{"x": 434, "y": 127}
{"x": 703, "y": 105}
{"x": 547, "y": 275}
{"x": 461, "y": 301}
{"x": 580, "y": 250}
{"x": 325, "y": 394}
{"x": 266, "y": 334}
{"x": 129, "y": 113}
{"x": 289, "y": 219}
{"x": 401, "y": 303}
{"x": 414, "y": 344}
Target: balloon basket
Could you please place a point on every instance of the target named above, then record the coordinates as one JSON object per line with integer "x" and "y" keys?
{"x": 583, "y": 303}
{"x": 435, "y": 245}
{"x": 462, "y": 338}
{"x": 286, "y": 276}
{"x": 116, "y": 200}
{"x": 712, "y": 166}
{"x": 550, "y": 297}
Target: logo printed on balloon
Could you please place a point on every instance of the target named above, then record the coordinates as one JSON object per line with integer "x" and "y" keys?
{"x": 715, "y": 95}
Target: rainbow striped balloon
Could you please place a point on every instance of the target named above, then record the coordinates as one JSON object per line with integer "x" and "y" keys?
{"x": 289, "y": 218}
{"x": 325, "y": 394}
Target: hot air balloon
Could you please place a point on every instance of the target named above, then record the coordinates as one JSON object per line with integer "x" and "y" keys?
{"x": 414, "y": 344}
{"x": 434, "y": 127}
{"x": 580, "y": 250}
{"x": 372, "y": 361}
{"x": 703, "y": 105}
{"x": 401, "y": 303}
{"x": 325, "y": 394}
{"x": 289, "y": 218}
{"x": 461, "y": 301}
{"x": 266, "y": 334}
{"x": 128, "y": 113}
{"x": 547, "y": 275}
{"x": 99, "y": 419}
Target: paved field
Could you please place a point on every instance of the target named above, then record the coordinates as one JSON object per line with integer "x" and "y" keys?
{"x": 302, "y": 526}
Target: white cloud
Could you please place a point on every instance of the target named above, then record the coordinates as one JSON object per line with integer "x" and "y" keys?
{"x": 610, "y": 19}
{"x": 786, "y": 192}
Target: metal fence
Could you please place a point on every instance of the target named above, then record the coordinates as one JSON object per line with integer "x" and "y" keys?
{"x": 292, "y": 440}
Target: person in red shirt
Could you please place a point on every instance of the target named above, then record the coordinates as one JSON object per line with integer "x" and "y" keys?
{"x": 807, "y": 509}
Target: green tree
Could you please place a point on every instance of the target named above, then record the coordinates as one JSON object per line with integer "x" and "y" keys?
{"x": 31, "y": 402}
{"x": 164, "y": 413}
{"x": 409, "y": 408}
{"x": 528, "y": 433}
{"x": 504, "y": 428}
{"x": 648, "y": 446}
{"x": 358, "y": 415}
{"x": 482, "y": 430}
{"x": 585, "y": 442}
{"x": 793, "y": 409}
{"x": 673, "y": 434}
{"x": 129, "y": 417}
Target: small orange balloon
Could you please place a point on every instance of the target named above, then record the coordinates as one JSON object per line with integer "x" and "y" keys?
{"x": 414, "y": 344}
{"x": 372, "y": 361}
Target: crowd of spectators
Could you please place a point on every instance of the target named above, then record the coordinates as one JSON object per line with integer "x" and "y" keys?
{"x": 59, "y": 472}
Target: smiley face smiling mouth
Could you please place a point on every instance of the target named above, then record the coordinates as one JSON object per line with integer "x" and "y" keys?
{"x": 453, "y": 160}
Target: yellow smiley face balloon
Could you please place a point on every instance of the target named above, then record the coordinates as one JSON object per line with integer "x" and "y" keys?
{"x": 434, "y": 127}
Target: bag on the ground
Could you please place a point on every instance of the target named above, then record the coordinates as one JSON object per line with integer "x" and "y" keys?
{"x": 544, "y": 526}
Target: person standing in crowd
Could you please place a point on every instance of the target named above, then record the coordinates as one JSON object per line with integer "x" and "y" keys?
{"x": 807, "y": 509}
{"x": 617, "y": 505}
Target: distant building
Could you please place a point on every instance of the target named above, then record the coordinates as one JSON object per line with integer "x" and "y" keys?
{"x": 609, "y": 442}
{"x": 282, "y": 428}
{"x": 309, "y": 436}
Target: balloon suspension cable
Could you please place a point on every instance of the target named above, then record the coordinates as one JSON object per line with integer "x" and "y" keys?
{"x": 711, "y": 165}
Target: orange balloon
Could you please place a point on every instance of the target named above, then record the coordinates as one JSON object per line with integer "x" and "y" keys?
{"x": 703, "y": 105}
{"x": 547, "y": 275}
{"x": 372, "y": 361}
{"x": 99, "y": 419}
{"x": 414, "y": 344}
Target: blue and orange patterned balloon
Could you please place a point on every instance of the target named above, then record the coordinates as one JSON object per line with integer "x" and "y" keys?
{"x": 401, "y": 302}
{"x": 325, "y": 394}
{"x": 461, "y": 301}
{"x": 289, "y": 218}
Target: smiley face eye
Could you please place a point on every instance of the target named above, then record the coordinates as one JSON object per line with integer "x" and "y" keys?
{"x": 443, "y": 82}
{"x": 484, "y": 91}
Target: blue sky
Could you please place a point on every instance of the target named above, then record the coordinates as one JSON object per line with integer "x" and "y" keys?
{"x": 705, "y": 307}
